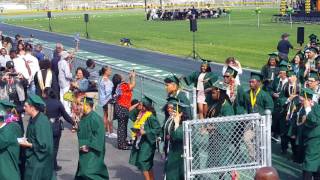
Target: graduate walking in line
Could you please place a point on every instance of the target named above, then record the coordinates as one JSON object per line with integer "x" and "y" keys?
{"x": 91, "y": 137}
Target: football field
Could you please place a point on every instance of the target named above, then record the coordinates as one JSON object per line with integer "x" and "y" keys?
{"x": 216, "y": 39}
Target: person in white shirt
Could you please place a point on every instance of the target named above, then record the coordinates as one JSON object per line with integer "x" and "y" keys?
{"x": 65, "y": 77}
{"x": 235, "y": 64}
{"x": 4, "y": 57}
{"x": 33, "y": 64}
{"x": 19, "y": 65}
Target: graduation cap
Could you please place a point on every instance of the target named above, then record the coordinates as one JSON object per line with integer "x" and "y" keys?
{"x": 290, "y": 73}
{"x": 172, "y": 79}
{"x": 273, "y": 55}
{"x": 87, "y": 100}
{"x": 232, "y": 71}
{"x": 35, "y": 100}
{"x": 176, "y": 103}
{"x": 283, "y": 66}
{"x": 312, "y": 37}
{"x": 307, "y": 93}
{"x": 7, "y": 104}
{"x": 313, "y": 75}
{"x": 147, "y": 101}
{"x": 256, "y": 76}
{"x": 220, "y": 85}
{"x": 313, "y": 49}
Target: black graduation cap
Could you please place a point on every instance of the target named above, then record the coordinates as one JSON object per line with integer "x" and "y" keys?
{"x": 232, "y": 71}
{"x": 256, "y": 76}
{"x": 172, "y": 79}
{"x": 147, "y": 101}
{"x": 87, "y": 100}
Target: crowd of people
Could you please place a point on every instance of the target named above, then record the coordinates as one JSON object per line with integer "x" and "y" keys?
{"x": 183, "y": 14}
{"x": 47, "y": 91}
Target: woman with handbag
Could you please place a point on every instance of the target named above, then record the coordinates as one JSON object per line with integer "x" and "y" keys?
{"x": 122, "y": 92}
{"x": 55, "y": 110}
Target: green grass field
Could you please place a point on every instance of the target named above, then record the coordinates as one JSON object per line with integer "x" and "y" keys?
{"x": 216, "y": 39}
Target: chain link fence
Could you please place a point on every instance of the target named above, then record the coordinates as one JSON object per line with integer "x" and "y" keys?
{"x": 219, "y": 148}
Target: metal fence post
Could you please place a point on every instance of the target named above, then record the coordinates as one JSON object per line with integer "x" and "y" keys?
{"x": 268, "y": 136}
{"x": 186, "y": 154}
{"x": 141, "y": 84}
{"x": 194, "y": 102}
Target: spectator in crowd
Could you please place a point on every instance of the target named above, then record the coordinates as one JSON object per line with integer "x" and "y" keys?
{"x": 55, "y": 112}
{"x": 9, "y": 147}
{"x": 146, "y": 129}
{"x": 38, "y": 52}
{"x": 122, "y": 92}
{"x": 91, "y": 137}
{"x": 7, "y": 44}
{"x": 4, "y": 57}
{"x": 38, "y": 142}
{"x": 92, "y": 75}
{"x": 56, "y": 58}
{"x": 21, "y": 48}
{"x": 201, "y": 80}
{"x": 65, "y": 77}
{"x": 105, "y": 95}
{"x": 15, "y": 43}
{"x": 80, "y": 83}
{"x": 32, "y": 63}
{"x": 45, "y": 78}
{"x": 284, "y": 46}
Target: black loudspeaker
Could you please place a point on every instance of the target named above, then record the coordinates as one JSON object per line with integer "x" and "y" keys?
{"x": 193, "y": 24}
{"x": 86, "y": 18}
{"x": 300, "y": 35}
{"x": 49, "y": 14}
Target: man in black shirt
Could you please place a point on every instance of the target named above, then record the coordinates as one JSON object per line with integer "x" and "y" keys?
{"x": 284, "y": 46}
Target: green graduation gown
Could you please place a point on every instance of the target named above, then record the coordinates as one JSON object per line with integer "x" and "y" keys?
{"x": 10, "y": 151}
{"x": 143, "y": 157}
{"x": 264, "y": 102}
{"x": 193, "y": 79}
{"x": 311, "y": 134}
{"x": 238, "y": 104}
{"x": 91, "y": 133}
{"x": 174, "y": 169}
{"x": 39, "y": 158}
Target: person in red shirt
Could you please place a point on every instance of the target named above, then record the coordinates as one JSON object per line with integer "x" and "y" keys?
{"x": 122, "y": 93}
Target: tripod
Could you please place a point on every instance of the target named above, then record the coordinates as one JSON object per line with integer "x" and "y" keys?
{"x": 193, "y": 27}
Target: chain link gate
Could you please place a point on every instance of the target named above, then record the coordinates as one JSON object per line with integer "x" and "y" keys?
{"x": 218, "y": 148}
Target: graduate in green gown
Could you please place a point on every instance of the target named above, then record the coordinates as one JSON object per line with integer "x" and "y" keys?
{"x": 9, "y": 146}
{"x": 201, "y": 80}
{"x": 277, "y": 95}
{"x": 311, "y": 136}
{"x": 172, "y": 84}
{"x": 146, "y": 129}
{"x": 173, "y": 137}
{"x": 91, "y": 137}
{"x": 256, "y": 101}
{"x": 39, "y": 142}
{"x": 234, "y": 91}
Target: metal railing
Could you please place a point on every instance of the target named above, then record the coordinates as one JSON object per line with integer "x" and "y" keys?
{"x": 216, "y": 148}
{"x": 145, "y": 85}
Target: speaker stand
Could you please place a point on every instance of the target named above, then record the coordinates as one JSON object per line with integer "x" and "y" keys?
{"x": 194, "y": 54}
{"x": 50, "y": 29}
{"x": 87, "y": 34}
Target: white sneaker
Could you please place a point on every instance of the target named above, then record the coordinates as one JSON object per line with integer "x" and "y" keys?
{"x": 107, "y": 134}
{"x": 113, "y": 135}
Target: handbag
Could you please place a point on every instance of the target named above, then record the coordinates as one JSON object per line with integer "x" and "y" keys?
{"x": 68, "y": 96}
